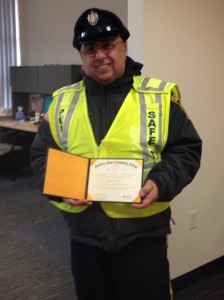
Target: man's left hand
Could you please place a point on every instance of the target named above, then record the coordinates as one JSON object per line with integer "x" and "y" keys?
{"x": 149, "y": 194}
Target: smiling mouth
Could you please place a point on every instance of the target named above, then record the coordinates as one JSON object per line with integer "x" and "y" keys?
{"x": 104, "y": 66}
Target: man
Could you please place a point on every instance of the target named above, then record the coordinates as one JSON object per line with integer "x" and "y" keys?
{"x": 119, "y": 250}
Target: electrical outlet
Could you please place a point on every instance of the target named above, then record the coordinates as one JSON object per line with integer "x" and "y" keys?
{"x": 193, "y": 219}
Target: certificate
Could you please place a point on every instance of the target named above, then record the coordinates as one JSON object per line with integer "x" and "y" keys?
{"x": 118, "y": 180}
{"x": 112, "y": 180}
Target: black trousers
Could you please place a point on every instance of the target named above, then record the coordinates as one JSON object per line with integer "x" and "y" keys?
{"x": 140, "y": 271}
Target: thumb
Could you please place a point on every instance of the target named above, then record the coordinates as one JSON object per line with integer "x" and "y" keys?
{"x": 147, "y": 188}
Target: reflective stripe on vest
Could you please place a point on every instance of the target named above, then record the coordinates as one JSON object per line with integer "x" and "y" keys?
{"x": 142, "y": 101}
{"x": 63, "y": 137}
{"x": 148, "y": 95}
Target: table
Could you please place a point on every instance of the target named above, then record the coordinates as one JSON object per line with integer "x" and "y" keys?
{"x": 22, "y": 126}
{"x": 18, "y": 134}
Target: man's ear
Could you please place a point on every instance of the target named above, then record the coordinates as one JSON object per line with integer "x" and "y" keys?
{"x": 125, "y": 47}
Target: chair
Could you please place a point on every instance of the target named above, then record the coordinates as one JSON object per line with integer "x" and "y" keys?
{"x": 7, "y": 152}
{"x": 5, "y": 148}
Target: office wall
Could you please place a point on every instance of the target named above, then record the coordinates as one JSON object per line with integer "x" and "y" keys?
{"x": 180, "y": 41}
{"x": 184, "y": 43}
{"x": 47, "y": 28}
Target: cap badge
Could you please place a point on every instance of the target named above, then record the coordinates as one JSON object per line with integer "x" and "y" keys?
{"x": 92, "y": 18}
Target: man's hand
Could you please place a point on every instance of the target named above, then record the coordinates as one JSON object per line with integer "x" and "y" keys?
{"x": 76, "y": 202}
{"x": 149, "y": 193}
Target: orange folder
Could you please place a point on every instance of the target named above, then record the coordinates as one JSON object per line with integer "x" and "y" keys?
{"x": 66, "y": 175}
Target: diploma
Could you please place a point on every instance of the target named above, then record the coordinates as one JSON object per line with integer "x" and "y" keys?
{"x": 115, "y": 180}
{"x": 112, "y": 180}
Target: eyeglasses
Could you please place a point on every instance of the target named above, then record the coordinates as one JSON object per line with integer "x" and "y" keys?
{"x": 106, "y": 47}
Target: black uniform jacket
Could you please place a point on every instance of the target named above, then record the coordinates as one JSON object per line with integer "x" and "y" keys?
{"x": 180, "y": 163}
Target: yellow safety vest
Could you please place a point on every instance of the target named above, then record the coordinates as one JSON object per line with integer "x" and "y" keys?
{"x": 139, "y": 130}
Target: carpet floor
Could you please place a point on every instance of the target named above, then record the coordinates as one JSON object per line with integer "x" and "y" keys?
{"x": 35, "y": 252}
{"x": 34, "y": 245}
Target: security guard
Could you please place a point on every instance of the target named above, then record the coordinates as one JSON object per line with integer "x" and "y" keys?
{"x": 119, "y": 250}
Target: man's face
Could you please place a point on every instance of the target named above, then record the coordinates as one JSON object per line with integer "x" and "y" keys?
{"x": 104, "y": 60}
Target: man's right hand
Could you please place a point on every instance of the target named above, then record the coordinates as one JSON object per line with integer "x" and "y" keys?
{"x": 77, "y": 202}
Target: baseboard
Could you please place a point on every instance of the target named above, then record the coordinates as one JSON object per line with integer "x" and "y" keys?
{"x": 191, "y": 277}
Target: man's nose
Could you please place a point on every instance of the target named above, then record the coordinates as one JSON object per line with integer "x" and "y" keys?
{"x": 100, "y": 52}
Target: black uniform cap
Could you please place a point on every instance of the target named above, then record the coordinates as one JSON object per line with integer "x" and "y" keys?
{"x": 95, "y": 23}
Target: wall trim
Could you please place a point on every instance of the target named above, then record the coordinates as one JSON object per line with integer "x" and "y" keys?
{"x": 193, "y": 276}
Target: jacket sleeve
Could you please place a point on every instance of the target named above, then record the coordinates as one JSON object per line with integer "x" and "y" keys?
{"x": 180, "y": 157}
{"x": 43, "y": 140}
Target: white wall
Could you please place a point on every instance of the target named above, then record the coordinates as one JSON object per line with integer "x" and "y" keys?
{"x": 184, "y": 43}
{"x": 135, "y": 26}
{"x": 180, "y": 41}
{"x": 47, "y": 28}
